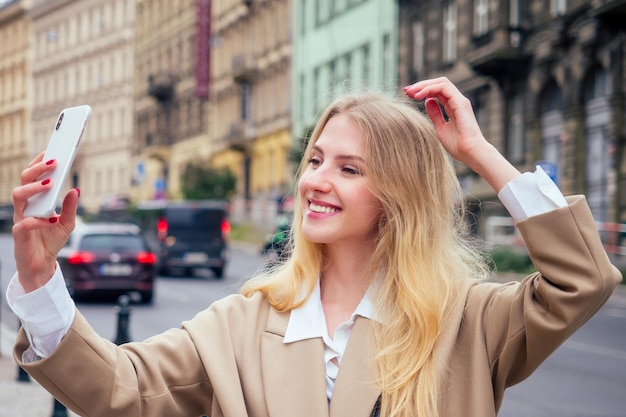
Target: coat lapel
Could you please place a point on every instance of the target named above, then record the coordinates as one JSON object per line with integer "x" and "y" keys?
{"x": 293, "y": 374}
{"x": 355, "y": 392}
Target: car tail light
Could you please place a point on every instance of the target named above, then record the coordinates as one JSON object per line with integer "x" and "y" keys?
{"x": 162, "y": 228}
{"x": 78, "y": 258}
{"x": 225, "y": 228}
{"x": 146, "y": 258}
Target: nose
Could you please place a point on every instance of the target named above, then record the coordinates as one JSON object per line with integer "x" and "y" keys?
{"x": 318, "y": 179}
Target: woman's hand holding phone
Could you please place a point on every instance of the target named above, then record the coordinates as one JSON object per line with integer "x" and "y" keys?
{"x": 37, "y": 240}
{"x": 62, "y": 148}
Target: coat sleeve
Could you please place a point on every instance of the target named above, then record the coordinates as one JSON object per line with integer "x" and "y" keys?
{"x": 162, "y": 376}
{"x": 522, "y": 324}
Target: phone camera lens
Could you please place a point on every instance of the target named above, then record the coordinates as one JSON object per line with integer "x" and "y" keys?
{"x": 59, "y": 122}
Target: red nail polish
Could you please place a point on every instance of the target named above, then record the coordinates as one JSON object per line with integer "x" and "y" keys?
{"x": 46, "y": 181}
{"x": 50, "y": 162}
{"x": 78, "y": 189}
{"x": 53, "y": 219}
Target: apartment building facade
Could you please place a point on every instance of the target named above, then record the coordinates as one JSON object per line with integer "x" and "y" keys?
{"x": 171, "y": 94}
{"x": 341, "y": 46}
{"x": 546, "y": 79}
{"x": 83, "y": 53}
{"x": 15, "y": 98}
{"x": 250, "y": 114}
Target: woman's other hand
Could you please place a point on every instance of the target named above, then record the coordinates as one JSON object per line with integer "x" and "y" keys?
{"x": 460, "y": 135}
{"x": 37, "y": 241}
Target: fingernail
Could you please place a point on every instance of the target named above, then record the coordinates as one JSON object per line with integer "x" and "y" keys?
{"x": 78, "y": 190}
{"x": 46, "y": 181}
{"x": 50, "y": 162}
{"x": 53, "y": 219}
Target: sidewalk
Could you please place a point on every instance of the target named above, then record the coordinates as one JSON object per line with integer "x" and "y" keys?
{"x": 17, "y": 398}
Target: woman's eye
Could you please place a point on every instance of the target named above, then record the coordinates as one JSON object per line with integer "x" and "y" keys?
{"x": 351, "y": 170}
{"x": 314, "y": 161}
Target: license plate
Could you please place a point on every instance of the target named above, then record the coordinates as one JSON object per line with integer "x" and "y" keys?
{"x": 116, "y": 269}
{"x": 195, "y": 257}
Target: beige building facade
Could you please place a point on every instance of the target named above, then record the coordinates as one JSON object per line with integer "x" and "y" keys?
{"x": 83, "y": 53}
{"x": 15, "y": 100}
{"x": 171, "y": 96}
{"x": 250, "y": 113}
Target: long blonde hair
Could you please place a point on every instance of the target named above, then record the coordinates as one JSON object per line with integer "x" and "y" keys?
{"x": 423, "y": 254}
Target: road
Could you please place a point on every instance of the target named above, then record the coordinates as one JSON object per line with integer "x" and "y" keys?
{"x": 586, "y": 377}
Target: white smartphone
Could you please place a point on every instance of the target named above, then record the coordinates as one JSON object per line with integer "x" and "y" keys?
{"x": 62, "y": 147}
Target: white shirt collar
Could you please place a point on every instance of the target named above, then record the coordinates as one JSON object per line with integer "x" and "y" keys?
{"x": 308, "y": 321}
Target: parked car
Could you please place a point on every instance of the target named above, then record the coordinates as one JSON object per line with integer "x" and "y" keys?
{"x": 186, "y": 235}
{"x": 108, "y": 259}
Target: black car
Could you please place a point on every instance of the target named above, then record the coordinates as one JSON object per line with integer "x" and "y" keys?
{"x": 187, "y": 235}
{"x": 108, "y": 259}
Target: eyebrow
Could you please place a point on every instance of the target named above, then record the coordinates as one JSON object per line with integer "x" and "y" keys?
{"x": 341, "y": 157}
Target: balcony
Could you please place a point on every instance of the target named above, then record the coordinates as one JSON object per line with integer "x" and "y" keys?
{"x": 240, "y": 135}
{"x": 499, "y": 54}
{"x": 611, "y": 11}
{"x": 162, "y": 86}
{"x": 243, "y": 68}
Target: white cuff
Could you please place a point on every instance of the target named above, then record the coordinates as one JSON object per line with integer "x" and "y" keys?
{"x": 46, "y": 313}
{"x": 531, "y": 194}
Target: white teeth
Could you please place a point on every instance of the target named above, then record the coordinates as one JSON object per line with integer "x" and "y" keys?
{"x": 321, "y": 209}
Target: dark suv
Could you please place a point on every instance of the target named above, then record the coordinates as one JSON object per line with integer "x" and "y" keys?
{"x": 187, "y": 234}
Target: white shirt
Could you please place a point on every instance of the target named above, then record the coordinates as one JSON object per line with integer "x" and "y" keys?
{"x": 309, "y": 322}
{"x": 48, "y": 312}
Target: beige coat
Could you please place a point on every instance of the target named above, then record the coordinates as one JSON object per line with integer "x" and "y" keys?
{"x": 230, "y": 360}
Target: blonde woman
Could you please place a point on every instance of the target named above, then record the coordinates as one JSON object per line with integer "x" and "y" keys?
{"x": 380, "y": 309}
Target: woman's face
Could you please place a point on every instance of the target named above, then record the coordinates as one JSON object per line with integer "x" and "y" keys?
{"x": 338, "y": 205}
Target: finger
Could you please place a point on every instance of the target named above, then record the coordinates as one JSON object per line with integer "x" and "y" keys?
{"x": 440, "y": 88}
{"x": 36, "y": 171}
{"x": 68, "y": 209}
{"x": 22, "y": 193}
{"x": 38, "y": 158}
{"x": 435, "y": 113}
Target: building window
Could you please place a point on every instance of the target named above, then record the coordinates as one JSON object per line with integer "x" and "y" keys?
{"x": 515, "y": 145}
{"x": 449, "y": 33}
{"x": 347, "y": 58}
{"x": 246, "y": 100}
{"x": 303, "y": 17}
{"x": 386, "y": 58}
{"x": 558, "y": 7}
{"x": 515, "y": 13}
{"x": 366, "y": 65}
{"x": 481, "y": 17}
{"x": 322, "y": 12}
{"x": 316, "y": 89}
{"x": 418, "y": 46}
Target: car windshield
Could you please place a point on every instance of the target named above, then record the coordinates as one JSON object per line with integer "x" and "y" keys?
{"x": 193, "y": 221}
{"x": 111, "y": 242}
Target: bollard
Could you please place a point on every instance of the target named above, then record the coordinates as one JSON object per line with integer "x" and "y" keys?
{"x": 22, "y": 375}
{"x": 58, "y": 409}
{"x": 123, "y": 318}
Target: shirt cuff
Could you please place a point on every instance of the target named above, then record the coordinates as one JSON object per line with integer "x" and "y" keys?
{"x": 46, "y": 314}
{"x": 531, "y": 194}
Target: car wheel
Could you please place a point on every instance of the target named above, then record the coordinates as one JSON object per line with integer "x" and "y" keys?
{"x": 218, "y": 272}
{"x": 147, "y": 297}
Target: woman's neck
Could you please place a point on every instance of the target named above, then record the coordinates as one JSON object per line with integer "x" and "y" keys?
{"x": 343, "y": 283}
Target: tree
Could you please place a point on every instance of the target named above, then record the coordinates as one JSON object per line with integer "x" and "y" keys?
{"x": 201, "y": 182}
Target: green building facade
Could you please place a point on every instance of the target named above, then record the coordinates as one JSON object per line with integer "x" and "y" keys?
{"x": 338, "y": 46}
